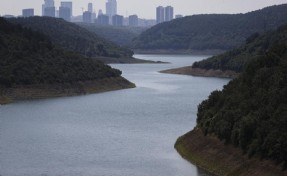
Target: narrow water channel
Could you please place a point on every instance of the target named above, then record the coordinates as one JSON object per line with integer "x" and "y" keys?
{"x": 121, "y": 133}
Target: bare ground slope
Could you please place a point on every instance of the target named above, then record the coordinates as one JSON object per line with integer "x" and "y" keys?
{"x": 211, "y": 154}
{"x": 202, "y": 72}
{"x": 8, "y": 95}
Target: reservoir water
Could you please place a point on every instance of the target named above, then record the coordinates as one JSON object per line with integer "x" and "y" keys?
{"x": 121, "y": 133}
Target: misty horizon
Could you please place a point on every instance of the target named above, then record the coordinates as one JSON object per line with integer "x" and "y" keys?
{"x": 147, "y": 10}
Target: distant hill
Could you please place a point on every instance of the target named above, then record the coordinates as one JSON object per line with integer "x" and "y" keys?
{"x": 28, "y": 59}
{"x": 122, "y": 36}
{"x": 237, "y": 59}
{"x": 211, "y": 31}
{"x": 250, "y": 113}
{"x": 72, "y": 37}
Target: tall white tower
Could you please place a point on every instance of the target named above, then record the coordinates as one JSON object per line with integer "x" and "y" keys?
{"x": 111, "y": 8}
{"x": 168, "y": 13}
{"x": 159, "y": 14}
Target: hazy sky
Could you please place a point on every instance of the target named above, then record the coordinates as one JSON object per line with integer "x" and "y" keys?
{"x": 146, "y": 8}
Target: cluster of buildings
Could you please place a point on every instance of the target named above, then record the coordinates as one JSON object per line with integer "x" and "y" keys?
{"x": 111, "y": 17}
{"x": 165, "y": 14}
{"x": 65, "y": 11}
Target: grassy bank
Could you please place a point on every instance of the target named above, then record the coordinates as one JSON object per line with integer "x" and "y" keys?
{"x": 202, "y": 72}
{"x": 8, "y": 95}
{"x": 212, "y": 155}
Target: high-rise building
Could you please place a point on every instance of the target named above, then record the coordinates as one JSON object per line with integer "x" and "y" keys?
{"x": 65, "y": 13}
{"x": 87, "y": 17}
{"x": 27, "y": 12}
{"x": 103, "y": 20}
{"x": 164, "y": 14}
{"x": 159, "y": 14}
{"x": 90, "y": 7}
{"x": 50, "y": 11}
{"x": 168, "y": 13}
{"x": 117, "y": 20}
{"x": 68, "y": 4}
{"x": 111, "y": 8}
{"x": 57, "y": 13}
{"x": 100, "y": 12}
{"x": 133, "y": 20}
{"x": 50, "y": 4}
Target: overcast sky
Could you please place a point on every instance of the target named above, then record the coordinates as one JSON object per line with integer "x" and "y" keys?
{"x": 146, "y": 8}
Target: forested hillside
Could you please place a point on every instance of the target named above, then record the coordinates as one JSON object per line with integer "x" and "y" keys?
{"x": 251, "y": 111}
{"x": 28, "y": 57}
{"x": 237, "y": 59}
{"x": 211, "y": 31}
{"x": 123, "y": 36}
{"x": 72, "y": 37}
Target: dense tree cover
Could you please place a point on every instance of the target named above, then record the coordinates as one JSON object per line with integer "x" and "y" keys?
{"x": 72, "y": 37}
{"x": 29, "y": 57}
{"x": 212, "y": 31}
{"x": 251, "y": 111}
{"x": 122, "y": 36}
{"x": 237, "y": 59}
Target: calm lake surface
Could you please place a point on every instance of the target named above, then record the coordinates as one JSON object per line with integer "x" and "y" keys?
{"x": 120, "y": 133}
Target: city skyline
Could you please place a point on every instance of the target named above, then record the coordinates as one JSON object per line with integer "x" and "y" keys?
{"x": 146, "y": 9}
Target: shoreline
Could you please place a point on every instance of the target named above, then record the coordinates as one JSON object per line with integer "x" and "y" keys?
{"x": 202, "y": 72}
{"x": 179, "y": 51}
{"x": 30, "y": 92}
{"x": 127, "y": 60}
{"x": 213, "y": 156}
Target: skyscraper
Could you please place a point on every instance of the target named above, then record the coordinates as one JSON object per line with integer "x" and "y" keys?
{"x": 87, "y": 17}
{"x": 90, "y": 7}
{"x": 118, "y": 20}
{"x": 50, "y": 11}
{"x": 133, "y": 20}
{"x": 103, "y": 20}
{"x": 65, "y": 13}
{"x": 111, "y": 8}
{"x": 49, "y": 3}
{"x": 100, "y": 12}
{"x": 168, "y": 13}
{"x": 68, "y": 4}
{"x": 48, "y": 8}
{"x": 159, "y": 14}
{"x": 27, "y": 12}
